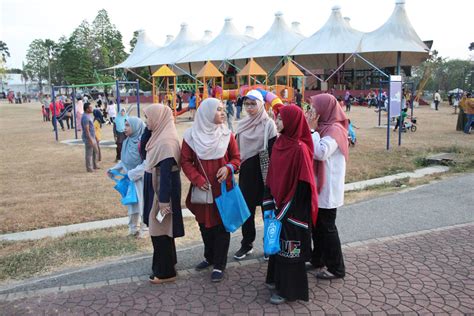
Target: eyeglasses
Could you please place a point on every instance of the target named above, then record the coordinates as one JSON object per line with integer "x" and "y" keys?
{"x": 250, "y": 105}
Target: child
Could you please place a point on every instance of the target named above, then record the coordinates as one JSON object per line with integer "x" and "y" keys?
{"x": 351, "y": 134}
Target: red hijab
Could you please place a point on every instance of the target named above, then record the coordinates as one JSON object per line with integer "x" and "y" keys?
{"x": 292, "y": 159}
{"x": 332, "y": 122}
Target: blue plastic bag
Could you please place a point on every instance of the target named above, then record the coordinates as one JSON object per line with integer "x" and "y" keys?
{"x": 271, "y": 233}
{"x": 121, "y": 184}
{"x": 131, "y": 197}
{"x": 232, "y": 207}
{"x": 125, "y": 187}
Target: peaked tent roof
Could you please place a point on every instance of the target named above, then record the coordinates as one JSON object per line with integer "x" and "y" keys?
{"x": 395, "y": 35}
{"x": 209, "y": 71}
{"x": 226, "y": 44}
{"x": 184, "y": 44}
{"x": 169, "y": 39}
{"x": 289, "y": 69}
{"x": 252, "y": 69}
{"x": 335, "y": 37}
{"x": 278, "y": 41}
{"x": 143, "y": 48}
{"x": 164, "y": 71}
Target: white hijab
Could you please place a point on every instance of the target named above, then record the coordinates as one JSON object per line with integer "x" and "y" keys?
{"x": 208, "y": 139}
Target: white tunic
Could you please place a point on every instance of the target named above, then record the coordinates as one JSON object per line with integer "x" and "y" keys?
{"x": 327, "y": 150}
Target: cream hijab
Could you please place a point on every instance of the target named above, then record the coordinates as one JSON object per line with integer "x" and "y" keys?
{"x": 164, "y": 141}
{"x": 207, "y": 139}
{"x": 251, "y": 132}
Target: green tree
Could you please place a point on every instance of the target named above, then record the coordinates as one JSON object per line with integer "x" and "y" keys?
{"x": 37, "y": 61}
{"x": 108, "y": 47}
{"x": 4, "y": 51}
{"x": 133, "y": 41}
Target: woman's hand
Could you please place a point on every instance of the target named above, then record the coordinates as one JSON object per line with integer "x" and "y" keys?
{"x": 312, "y": 118}
{"x": 204, "y": 187}
{"x": 222, "y": 174}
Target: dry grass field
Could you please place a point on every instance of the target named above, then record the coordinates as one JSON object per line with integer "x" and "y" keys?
{"x": 44, "y": 183}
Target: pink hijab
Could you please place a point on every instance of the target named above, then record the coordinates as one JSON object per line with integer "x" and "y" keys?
{"x": 332, "y": 122}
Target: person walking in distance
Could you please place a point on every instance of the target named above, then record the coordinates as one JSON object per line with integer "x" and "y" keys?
{"x": 89, "y": 139}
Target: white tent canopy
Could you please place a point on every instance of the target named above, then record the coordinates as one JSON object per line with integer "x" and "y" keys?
{"x": 169, "y": 39}
{"x": 143, "y": 48}
{"x": 327, "y": 48}
{"x": 184, "y": 44}
{"x": 279, "y": 40}
{"x": 249, "y": 31}
{"x": 395, "y": 35}
{"x": 335, "y": 37}
{"x": 226, "y": 44}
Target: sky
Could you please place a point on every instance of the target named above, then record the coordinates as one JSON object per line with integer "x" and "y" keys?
{"x": 448, "y": 23}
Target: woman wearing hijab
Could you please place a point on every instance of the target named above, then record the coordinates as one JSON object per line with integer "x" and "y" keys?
{"x": 132, "y": 164}
{"x": 208, "y": 148}
{"x": 162, "y": 207}
{"x": 253, "y": 131}
{"x": 329, "y": 126}
{"x": 292, "y": 194}
{"x": 119, "y": 128}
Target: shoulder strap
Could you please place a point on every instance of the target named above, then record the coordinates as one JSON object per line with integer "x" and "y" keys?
{"x": 205, "y": 175}
{"x": 265, "y": 135}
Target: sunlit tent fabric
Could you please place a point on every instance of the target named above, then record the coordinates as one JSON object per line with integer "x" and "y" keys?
{"x": 169, "y": 39}
{"x": 395, "y": 35}
{"x": 221, "y": 48}
{"x": 335, "y": 37}
{"x": 143, "y": 48}
{"x": 295, "y": 26}
{"x": 277, "y": 42}
{"x": 184, "y": 44}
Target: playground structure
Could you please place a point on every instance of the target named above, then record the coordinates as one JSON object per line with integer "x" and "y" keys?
{"x": 211, "y": 73}
{"x": 292, "y": 79}
{"x": 73, "y": 95}
{"x": 164, "y": 75}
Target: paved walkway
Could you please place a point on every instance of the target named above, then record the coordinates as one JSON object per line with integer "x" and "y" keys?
{"x": 66, "y": 229}
{"x": 428, "y": 272}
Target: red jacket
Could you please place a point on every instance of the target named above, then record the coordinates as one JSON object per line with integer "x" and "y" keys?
{"x": 208, "y": 214}
{"x": 58, "y": 108}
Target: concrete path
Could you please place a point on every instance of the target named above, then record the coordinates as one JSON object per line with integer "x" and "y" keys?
{"x": 63, "y": 230}
{"x": 428, "y": 273}
{"x": 445, "y": 203}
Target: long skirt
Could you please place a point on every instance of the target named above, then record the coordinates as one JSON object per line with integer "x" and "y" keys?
{"x": 164, "y": 257}
{"x": 290, "y": 279}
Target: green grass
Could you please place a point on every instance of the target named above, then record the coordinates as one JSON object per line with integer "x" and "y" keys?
{"x": 23, "y": 260}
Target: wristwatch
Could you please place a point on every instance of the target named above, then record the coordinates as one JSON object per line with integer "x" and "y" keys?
{"x": 313, "y": 131}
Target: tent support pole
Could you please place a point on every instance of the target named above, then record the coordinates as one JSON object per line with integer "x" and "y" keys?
{"x": 372, "y": 65}
{"x": 308, "y": 71}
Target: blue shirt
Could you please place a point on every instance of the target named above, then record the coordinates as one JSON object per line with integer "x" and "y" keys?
{"x": 87, "y": 120}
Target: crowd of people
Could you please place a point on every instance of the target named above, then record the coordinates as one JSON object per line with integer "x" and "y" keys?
{"x": 289, "y": 161}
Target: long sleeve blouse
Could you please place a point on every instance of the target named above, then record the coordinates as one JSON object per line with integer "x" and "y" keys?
{"x": 208, "y": 214}
{"x": 327, "y": 150}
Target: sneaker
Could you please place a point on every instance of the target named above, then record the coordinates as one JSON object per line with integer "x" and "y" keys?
{"x": 326, "y": 275}
{"x": 270, "y": 286}
{"x": 243, "y": 252}
{"x": 266, "y": 257}
{"x": 277, "y": 299}
{"x": 217, "y": 275}
{"x": 203, "y": 265}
